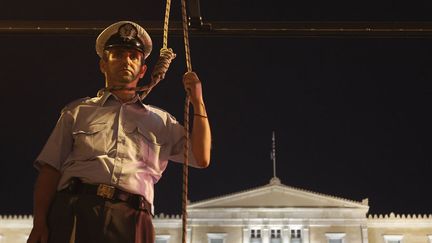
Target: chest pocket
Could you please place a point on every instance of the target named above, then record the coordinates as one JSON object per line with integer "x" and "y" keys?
{"x": 147, "y": 145}
{"x": 89, "y": 140}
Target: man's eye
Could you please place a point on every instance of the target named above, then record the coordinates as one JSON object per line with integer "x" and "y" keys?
{"x": 115, "y": 54}
{"x": 134, "y": 56}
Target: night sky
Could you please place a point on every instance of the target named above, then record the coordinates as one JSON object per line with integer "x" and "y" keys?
{"x": 352, "y": 115}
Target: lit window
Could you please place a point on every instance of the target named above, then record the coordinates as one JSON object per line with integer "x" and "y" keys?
{"x": 393, "y": 238}
{"x": 296, "y": 236}
{"x": 216, "y": 237}
{"x": 275, "y": 236}
{"x": 255, "y": 233}
{"x": 275, "y": 233}
{"x": 335, "y": 237}
{"x": 255, "y": 236}
{"x": 430, "y": 238}
{"x": 162, "y": 238}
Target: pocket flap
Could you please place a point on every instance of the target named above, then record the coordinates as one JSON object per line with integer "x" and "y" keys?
{"x": 129, "y": 127}
{"x": 148, "y": 135}
{"x": 90, "y": 129}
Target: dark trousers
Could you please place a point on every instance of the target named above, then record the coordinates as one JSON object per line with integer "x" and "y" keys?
{"x": 91, "y": 219}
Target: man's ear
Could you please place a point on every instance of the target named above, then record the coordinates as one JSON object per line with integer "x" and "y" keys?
{"x": 143, "y": 70}
{"x": 102, "y": 65}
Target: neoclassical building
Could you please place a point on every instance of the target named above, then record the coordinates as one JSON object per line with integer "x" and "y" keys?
{"x": 273, "y": 213}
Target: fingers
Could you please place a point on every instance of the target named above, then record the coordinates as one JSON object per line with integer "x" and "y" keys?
{"x": 191, "y": 81}
{"x": 190, "y": 75}
{"x": 190, "y": 78}
{"x": 192, "y": 85}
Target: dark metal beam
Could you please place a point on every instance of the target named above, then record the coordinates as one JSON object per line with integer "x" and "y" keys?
{"x": 234, "y": 29}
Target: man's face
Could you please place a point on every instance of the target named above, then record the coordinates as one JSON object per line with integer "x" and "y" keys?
{"x": 123, "y": 66}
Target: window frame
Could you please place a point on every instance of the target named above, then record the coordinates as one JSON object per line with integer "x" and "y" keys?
{"x": 335, "y": 236}
{"x": 166, "y": 238}
{"x": 258, "y": 232}
{"x": 388, "y": 238}
{"x": 277, "y": 233}
{"x": 296, "y": 230}
{"x": 216, "y": 236}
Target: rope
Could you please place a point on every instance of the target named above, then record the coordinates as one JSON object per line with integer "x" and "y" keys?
{"x": 186, "y": 124}
{"x": 186, "y": 36}
{"x": 166, "y": 21}
{"x": 161, "y": 67}
{"x": 166, "y": 55}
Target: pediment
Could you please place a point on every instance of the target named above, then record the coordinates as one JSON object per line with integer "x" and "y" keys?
{"x": 277, "y": 195}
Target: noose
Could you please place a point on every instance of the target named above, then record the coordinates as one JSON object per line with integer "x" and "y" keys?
{"x": 165, "y": 57}
{"x": 161, "y": 67}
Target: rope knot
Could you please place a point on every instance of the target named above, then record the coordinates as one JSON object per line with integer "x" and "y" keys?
{"x": 161, "y": 67}
{"x": 163, "y": 63}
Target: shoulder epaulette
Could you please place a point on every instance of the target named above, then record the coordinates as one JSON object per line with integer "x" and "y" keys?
{"x": 74, "y": 103}
{"x": 155, "y": 108}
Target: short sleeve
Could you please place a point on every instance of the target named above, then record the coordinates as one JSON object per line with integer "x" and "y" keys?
{"x": 59, "y": 144}
{"x": 178, "y": 139}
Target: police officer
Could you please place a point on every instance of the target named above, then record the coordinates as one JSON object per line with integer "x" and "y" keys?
{"x": 99, "y": 166}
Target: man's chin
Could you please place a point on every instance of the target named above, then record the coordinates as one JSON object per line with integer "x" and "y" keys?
{"x": 125, "y": 80}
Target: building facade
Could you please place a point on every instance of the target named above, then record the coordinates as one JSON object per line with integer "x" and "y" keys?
{"x": 273, "y": 213}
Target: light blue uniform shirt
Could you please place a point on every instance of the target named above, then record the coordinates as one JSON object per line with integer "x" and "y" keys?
{"x": 101, "y": 140}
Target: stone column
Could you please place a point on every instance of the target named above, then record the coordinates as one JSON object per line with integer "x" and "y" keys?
{"x": 265, "y": 235}
{"x": 364, "y": 234}
{"x": 246, "y": 235}
{"x": 286, "y": 235}
{"x": 189, "y": 234}
{"x": 305, "y": 235}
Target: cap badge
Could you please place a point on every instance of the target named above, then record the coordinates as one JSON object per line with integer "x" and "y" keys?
{"x": 128, "y": 31}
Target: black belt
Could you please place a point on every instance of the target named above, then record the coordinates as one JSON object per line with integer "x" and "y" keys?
{"x": 109, "y": 192}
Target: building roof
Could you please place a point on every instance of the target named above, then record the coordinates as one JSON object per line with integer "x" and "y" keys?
{"x": 277, "y": 195}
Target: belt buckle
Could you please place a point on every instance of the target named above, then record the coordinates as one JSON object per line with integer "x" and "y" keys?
{"x": 105, "y": 191}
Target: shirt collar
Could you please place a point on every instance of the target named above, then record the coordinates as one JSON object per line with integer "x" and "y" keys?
{"x": 104, "y": 95}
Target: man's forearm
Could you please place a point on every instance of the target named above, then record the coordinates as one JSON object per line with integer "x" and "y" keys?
{"x": 45, "y": 189}
{"x": 201, "y": 136}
